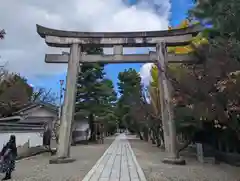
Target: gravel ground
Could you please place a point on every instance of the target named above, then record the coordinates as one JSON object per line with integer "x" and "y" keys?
{"x": 37, "y": 168}
{"x": 149, "y": 157}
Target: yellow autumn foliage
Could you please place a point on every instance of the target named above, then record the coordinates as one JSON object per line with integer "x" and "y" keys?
{"x": 178, "y": 70}
{"x": 154, "y": 76}
{"x": 154, "y": 92}
{"x": 196, "y": 41}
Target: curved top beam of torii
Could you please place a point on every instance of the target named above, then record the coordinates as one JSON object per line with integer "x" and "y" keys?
{"x": 61, "y": 38}
{"x": 43, "y": 32}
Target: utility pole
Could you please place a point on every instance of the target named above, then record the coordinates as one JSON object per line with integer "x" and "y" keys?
{"x": 60, "y": 100}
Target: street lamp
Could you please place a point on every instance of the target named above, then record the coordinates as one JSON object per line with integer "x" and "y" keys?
{"x": 60, "y": 99}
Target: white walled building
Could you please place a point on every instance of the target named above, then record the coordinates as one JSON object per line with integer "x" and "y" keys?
{"x": 28, "y": 124}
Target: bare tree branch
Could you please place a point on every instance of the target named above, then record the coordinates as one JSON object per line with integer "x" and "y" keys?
{"x": 44, "y": 95}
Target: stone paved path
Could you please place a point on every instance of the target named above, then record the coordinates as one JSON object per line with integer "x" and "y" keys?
{"x": 118, "y": 163}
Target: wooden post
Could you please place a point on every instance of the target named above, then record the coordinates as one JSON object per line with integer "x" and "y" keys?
{"x": 166, "y": 108}
{"x": 102, "y": 133}
{"x": 63, "y": 152}
{"x": 200, "y": 152}
{"x": 96, "y": 138}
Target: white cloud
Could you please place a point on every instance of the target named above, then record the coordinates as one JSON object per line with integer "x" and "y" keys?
{"x": 24, "y": 49}
{"x": 145, "y": 73}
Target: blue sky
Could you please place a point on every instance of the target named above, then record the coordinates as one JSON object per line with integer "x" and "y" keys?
{"x": 178, "y": 13}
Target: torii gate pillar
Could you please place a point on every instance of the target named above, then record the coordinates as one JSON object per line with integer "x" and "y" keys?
{"x": 63, "y": 151}
{"x": 166, "y": 107}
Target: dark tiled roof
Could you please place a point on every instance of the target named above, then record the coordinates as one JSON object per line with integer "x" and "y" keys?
{"x": 35, "y": 104}
{"x": 11, "y": 119}
{"x": 22, "y": 127}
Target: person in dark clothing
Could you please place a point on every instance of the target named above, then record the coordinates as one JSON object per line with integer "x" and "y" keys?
{"x": 8, "y": 157}
{"x": 47, "y": 139}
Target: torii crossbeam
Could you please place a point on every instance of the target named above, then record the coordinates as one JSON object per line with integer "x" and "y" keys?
{"x": 127, "y": 58}
{"x": 76, "y": 40}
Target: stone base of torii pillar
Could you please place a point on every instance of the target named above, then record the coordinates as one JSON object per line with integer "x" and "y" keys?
{"x": 174, "y": 161}
{"x": 61, "y": 160}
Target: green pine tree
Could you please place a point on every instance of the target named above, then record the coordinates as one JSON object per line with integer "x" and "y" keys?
{"x": 222, "y": 16}
{"x": 130, "y": 89}
{"x": 95, "y": 94}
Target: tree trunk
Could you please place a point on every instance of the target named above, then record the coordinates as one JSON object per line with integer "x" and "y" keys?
{"x": 158, "y": 137}
{"x": 149, "y": 134}
{"x": 140, "y": 135}
{"x": 158, "y": 140}
{"x": 145, "y": 133}
{"x": 92, "y": 127}
{"x": 137, "y": 130}
{"x": 189, "y": 141}
{"x": 152, "y": 136}
{"x": 57, "y": 140}
{"x": 162, "y": 138}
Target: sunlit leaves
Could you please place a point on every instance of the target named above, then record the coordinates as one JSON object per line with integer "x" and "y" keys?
{"x": 196, "y": 41}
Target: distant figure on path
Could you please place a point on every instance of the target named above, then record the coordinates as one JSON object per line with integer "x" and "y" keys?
{"x": 8, "y": 157}
{"x": 86, "y": 134}
{"x": 47, "y": 138}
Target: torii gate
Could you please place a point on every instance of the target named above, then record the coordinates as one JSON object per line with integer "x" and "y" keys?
{"x": 76, "y": 40}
